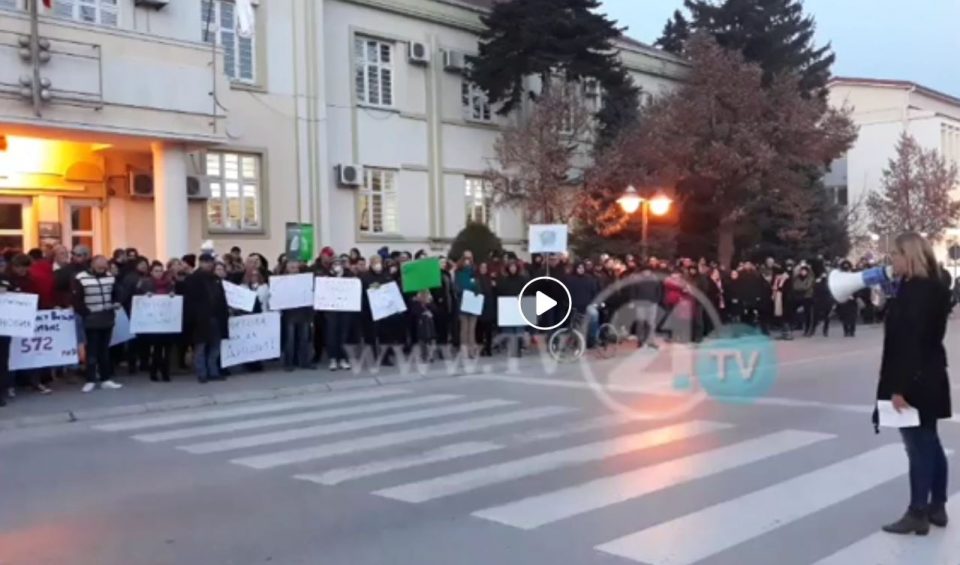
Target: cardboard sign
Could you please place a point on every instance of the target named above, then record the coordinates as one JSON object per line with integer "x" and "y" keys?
{"x": 337, "y": 294}
{"x": 471, "y": 303}
{"x": 19, "y": 314}
{"x": 420, "y": 275}
{"x": 239, "y": 297}
{"x": 156, "y": 315}
{"x": 385, "y": 301}
{"x": 53, "y": 344}
{"x": 548, "y": 238}
{"x": 291, "y": 291}
{"x": 121, "y": 329}
{"x": 508, "y": 311}
{"x": 252, "y": 338}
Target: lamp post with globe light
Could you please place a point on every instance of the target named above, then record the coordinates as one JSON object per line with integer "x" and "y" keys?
{"x": 631, "y": 201}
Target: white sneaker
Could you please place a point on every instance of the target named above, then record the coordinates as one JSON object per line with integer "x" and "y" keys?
{"x": 111, "y": 385}
{"x": 11, "y": 392}
{"x": 344, "y": 364}
{"x": 89, "y": 387}
{"x": 333, "y": 365}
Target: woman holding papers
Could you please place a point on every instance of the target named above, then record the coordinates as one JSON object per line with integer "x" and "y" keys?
{"x": 465, "y": 280}
{"x": 913, "y": 377}
{"x": 158, "y": 346}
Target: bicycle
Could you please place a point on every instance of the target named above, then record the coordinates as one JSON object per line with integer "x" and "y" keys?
{"x": 567, "y": 344}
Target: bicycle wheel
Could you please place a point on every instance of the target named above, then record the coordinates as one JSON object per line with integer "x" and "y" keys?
{"x": 567, "y": 345}
{"x": 608, "y": 340}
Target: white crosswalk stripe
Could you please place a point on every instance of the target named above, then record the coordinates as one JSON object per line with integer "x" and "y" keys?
{"x": 535, "y": 511}
{"x": 296, "y": 418}
{"x": 735, "y": 521}
{"x": 465, "y": 481}
{"x": 225, "y": 413}
{"x": 358, "y": 445}
{"x": 342, "y": 427}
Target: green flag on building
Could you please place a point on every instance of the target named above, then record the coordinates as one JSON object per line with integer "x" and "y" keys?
{"x": 420, "y": 275}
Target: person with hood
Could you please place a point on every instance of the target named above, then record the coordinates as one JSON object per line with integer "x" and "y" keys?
{"x": 205, "y": 318}
{"x": 847, "y": 311}
{"x": 95, "y": 301}
{"x": 913, "y": 374}
{"x": 465, "y": 280}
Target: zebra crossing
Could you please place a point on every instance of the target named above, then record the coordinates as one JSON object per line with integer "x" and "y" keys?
{"x": 452, "y": 445}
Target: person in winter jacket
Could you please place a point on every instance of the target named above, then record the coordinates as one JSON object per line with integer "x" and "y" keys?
{"x": 822, "y": 304}
{"x": 95, "y": 301}
{"x": 137, "y": 350}
{"x": 803, "y": 291}
{"x": 486, "y": 325}
{"x": 157, "y": 346}
{"x": 847, "y": 311}
{"x": 782, "y": 306}
{"x": 337, "y": 325}
{"x": 465, "y": 280}
{"x": 510, "y": 285}
{"x": 205, "y": 318}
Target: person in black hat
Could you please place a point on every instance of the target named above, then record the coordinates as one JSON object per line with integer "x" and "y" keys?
{"x": 205, "y": 318}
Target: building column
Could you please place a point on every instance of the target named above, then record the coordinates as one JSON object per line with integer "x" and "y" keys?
{"x": 170, "y": 200}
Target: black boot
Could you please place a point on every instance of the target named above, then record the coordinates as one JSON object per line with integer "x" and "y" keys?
{"x": 937, "y": 515}
{"x": 911, "y": 523}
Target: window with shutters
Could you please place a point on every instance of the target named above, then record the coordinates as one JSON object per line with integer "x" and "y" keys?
{"x": 218, "y": 23}
{"x": 475, "y": 104}
{"x": 235, "y": 192}
{"x": 378, "y": 201}
{"x": 373, "y": 68}
{"x": 103, "y": 12}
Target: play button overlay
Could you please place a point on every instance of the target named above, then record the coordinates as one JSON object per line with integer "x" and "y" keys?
{"x": 552, "y": 303}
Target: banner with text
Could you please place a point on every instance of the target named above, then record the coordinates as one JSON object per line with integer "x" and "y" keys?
{"x": 252, "y": 338}
{"x": 53, "y": 344}
{"x": 335, "y": 294}
{"x": 291, "y": 291}
{"x": 19, "y": 314}
{"x": 548, "y": 238}
{"x": 385, "y": 301}
{"x": 156, "y": 315}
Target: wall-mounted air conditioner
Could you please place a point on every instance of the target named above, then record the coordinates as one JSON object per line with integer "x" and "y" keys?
{"x": 198, "y": 187}
{"x": 419, "y": 53}
{"x": 141, "y": 184}
{"x": 349, "y": 175}
{"x": 454, "y": 61}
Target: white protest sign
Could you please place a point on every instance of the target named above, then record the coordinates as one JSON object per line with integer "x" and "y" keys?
{"x": 239, "y": 297}
{"x": 54, "y": 342}
{"x": 291, "y": 291}
{"x": 252, "y": 338}
{"x": 18, "y": 314}
{"x": 385, "y": 301}
{"x": 508, "y": 311}
{"x": 336, "y": 294}
{"x": 471, "y": 303}
{"x": 548, "y": 238}
{"x": 121, "y": 329}
{"x": 158, "y": 314}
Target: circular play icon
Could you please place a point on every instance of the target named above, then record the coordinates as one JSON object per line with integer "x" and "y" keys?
{"x": 545, "y": 303}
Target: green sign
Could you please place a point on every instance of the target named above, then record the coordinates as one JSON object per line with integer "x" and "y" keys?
{"x": 420, "y": 275}
{"x": 299, "y": 241}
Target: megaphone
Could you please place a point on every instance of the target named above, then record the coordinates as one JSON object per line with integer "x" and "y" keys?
{"x": 844, "y": 285}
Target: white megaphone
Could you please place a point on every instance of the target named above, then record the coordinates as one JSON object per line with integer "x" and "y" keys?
{"x": 844, "y": 285}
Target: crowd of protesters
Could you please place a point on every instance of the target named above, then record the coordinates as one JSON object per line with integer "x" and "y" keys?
{"x": 695, "y": 296}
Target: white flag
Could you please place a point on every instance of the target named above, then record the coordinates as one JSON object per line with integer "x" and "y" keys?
{"x": 245, "y": 18}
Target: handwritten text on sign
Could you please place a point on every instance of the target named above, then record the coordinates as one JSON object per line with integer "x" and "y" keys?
{"x": 334, "y": 294}
{"x": 156, "y": 315}
{"x": 53, "y": 344}
{"x": 19, "y": 314}
{"x": 291, "y": 291}
{"x": 252, "y": 338}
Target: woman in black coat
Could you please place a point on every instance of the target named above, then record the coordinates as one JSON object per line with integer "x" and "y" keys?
{"x": 913, "y": 373}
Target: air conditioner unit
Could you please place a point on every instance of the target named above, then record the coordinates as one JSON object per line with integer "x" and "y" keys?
{"x": 155, "y": 4}
{"x": 141, "y": 185}
{"x": 198, "y": 187}
{"x": 419, "y": 53}
{"x": 454, "y": 60}
{"x": 349, "y": 175}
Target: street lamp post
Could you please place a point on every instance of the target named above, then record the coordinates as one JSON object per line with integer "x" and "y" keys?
{"x": 631, "y": 201}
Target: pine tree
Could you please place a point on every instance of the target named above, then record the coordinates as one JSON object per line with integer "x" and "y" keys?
{"x": 547, "y": 38}
{"x": 675, "y": 34}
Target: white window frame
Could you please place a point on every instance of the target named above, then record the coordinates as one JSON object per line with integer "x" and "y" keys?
{"x": 229, "y": 40}
{"x": 96, "y": 219}
{"x": 77, "y": 10}
{"x": 478, "y": 195}
{"x": 218, "y": 191}
{"x": 384, "y": 71}
{"x": 475, "y": 104}
{"x": 379, "y": 187}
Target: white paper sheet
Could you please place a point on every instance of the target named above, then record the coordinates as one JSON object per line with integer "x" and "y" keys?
{"x": 890, "y": 418}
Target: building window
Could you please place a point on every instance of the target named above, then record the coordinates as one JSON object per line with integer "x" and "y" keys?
{"x": 10, "y": 5}
{"x": 103, "y": 12}
{"x": 478, "y": 194}
{"x": 374, "y": 71}
{"x": 11, "y": 226}
{"x": 235, "y": 192}
{"x": 838, "y": 195}
{"x": 218, "y": 22}
{"x": 475, "y": 104}
{"x": 378, "y": 201}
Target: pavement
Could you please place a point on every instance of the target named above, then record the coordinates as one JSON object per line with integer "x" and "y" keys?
{"x": 614, "y": 461}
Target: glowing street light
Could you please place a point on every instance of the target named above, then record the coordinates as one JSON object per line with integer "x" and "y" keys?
{"x": 631, "y": 201}
{"x": 660, "y": 205}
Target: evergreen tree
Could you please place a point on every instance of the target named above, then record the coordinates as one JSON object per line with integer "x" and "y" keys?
{"x": 675, "y": 34}
{"x": 546, "y": 38}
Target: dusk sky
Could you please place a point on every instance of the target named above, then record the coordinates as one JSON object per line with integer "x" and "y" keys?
{"x": 914, "y": 40}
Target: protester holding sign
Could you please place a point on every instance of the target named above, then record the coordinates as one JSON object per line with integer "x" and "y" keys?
{"x": 337, "y": 326}
{"x": 94, "y": 294}
{"x": 205, "y": 312}
{"x": 510, "y": 285}
{"x": 466, "y": 282}
{"x": 5, "y": 384}
{"x": 296, "y": 324}
{"x": 158, "y": 346}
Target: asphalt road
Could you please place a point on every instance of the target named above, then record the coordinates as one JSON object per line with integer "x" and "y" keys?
{"x": 531, "y": 466}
